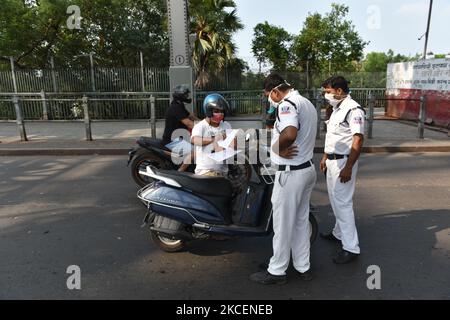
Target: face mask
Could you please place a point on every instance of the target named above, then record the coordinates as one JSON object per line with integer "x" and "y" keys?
{"x": 273, "y": 104}
{"x": 217, "y": 117}
{"x": 331, "y": 100}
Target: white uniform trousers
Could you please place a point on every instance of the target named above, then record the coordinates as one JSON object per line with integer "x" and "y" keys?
{"x": 341, "y": 199}
{"x": 290, "y": 201}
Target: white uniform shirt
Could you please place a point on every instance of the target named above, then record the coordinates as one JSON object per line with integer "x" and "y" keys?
{"x": 303, "y": 117}
{"x": 203, "y": 162}
{"x": 339, "y": 138}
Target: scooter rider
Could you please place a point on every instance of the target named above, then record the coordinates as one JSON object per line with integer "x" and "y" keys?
{"x": 292, "y": 147}
{"x": 208, "y": 132}
{"x": 177, "y": 117}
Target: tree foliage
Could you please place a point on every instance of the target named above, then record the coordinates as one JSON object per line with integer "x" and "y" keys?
{"x": 213, "y": 22}
{"x": 272, "y": 44}
{"x": 114, "y": 30}
{"x": 378, "y": 61}
{"x": 329, "y": 38}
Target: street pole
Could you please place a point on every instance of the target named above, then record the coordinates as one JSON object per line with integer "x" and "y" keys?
{"x": 144, "y": 103}
{"x": 87, "y": 118}
{"x": 142, "y": 71}
{"x": 44, "y": 105}
{"x": 371, "y": 115}
{"x": 153, "y": 116}
{"x": 307, "y": 74}
{"x": 180, "y": 71}
{"x": 19, "y": 119}
{"x": 13, "y": 72}
{"x": 422, "y": 116}
{"x": 91, "y": 59}
{"x": 52, "y": 65}
{"x": 428, "y": 30}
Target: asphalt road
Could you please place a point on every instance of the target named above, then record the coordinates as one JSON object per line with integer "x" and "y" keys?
{"x": 57, "y": 212}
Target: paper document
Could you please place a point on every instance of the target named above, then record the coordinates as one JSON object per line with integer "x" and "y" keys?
{"x": 230, "y": 137}
{"x": 223, "y": 155}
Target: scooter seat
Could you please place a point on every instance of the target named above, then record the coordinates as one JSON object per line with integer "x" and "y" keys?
{"x": 208, "y": 186}
{"x": 147, "y": 142}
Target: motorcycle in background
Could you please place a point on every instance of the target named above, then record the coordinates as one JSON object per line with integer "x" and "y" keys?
{"x": 150, "y": 152}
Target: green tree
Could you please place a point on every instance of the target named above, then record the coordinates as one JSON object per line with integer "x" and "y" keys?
{"x": 28, "y": 30}
{"x": 272, "y": 44}
{"x": 378, "y": 61}
{"x": 231, "y": 78}
{"x": 331, "y": 38}
{"x": 213, "y": 22}
{"x": 114, "y": 30}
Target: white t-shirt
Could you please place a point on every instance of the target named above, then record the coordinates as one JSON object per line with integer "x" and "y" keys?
{"x": 203, "y": 162}
{"x": 339, "y": 138}
{"x": 302, "y": 116}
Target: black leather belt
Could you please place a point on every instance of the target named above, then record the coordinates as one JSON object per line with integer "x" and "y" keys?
{"x": 336, "y": 156}
{"x": 305, "y": 165}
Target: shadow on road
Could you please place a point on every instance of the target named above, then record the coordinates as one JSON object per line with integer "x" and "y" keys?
{"x": 56, "y": 213}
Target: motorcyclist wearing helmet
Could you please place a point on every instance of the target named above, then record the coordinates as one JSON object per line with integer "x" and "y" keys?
{"x": 208, "y": 132}
{"x": 177, "y": 117}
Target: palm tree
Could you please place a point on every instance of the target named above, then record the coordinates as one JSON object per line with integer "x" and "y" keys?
{"x": 214, "y": 27}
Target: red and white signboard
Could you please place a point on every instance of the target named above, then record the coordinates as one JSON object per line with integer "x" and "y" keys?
{"x": 411, "y": 80}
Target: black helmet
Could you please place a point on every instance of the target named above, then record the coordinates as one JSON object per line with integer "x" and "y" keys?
{"x": 215, "y": 101}
{"x": 181, "y": 93}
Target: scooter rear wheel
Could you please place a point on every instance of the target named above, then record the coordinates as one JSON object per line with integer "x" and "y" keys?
{"x": 140, "y": 162}
{"x": 167, "y": 244}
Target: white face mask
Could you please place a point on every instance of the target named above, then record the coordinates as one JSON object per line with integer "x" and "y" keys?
{"x": 273, "y": 103}
{"x": 269, "y": 98}
{"x": 332, "y": 100}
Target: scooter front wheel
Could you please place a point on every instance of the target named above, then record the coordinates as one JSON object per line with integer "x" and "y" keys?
{"x": 167, "y": 244}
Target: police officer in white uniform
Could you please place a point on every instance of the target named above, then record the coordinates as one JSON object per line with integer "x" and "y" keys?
{"x": 343, "y": 144}
{"x": 292, "y": 148}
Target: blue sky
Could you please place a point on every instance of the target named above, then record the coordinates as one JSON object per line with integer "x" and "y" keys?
{"x": 387, "y": 24}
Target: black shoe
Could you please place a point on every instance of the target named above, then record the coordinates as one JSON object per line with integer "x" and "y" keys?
{"x": 264, "y": 277}
{"x": 344, "y": 257}
{"x": 330, "y": 237}
{"x": 306, "y": 276}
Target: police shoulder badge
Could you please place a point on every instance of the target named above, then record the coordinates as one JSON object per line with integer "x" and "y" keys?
{"x": 285, "y": 110}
